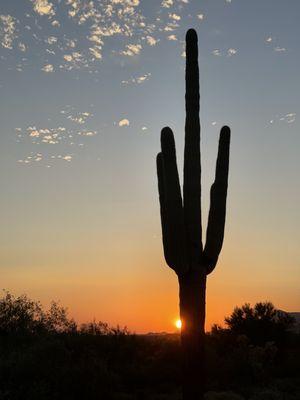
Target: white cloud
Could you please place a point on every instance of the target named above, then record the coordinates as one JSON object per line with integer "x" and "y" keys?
{"x": 95, "y": 52}
{"x": 151, "y": 40}
{"x": 132, "y": 50}
{"x": 87, "y": 133}
{"x": 48, "y": 68}
{"x": 279, "y": 49}
{"x": 201, "y": 17}
{"x": 174, "y": 16}
{"x": 51, "y": 40}
{"x": 138, "y": 79}
{"x": 68, "y": 57}
{"x": 67, "y": 158}
{"x": 290, "y": 118}
{"x": 172, "y": 37}
{"x": 22, "y": 46}
{"x": 231, "y": 52}
{"x": 80, "y": 118}
{"x": 45, "y": 135}
{"x": 167, "y": 3}
{"x": 269, "y": 39}
{"x": 124, "y": 122}
{"x": 7, "y": 31}
{"x": 43, "y": 7}
{"x": 216, "y": 52}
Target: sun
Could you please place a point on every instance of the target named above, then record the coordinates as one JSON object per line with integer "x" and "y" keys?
{"x": 178, "y": 324}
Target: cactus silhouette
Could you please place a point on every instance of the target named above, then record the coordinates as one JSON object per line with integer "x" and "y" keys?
{"x": 181, "y": 223}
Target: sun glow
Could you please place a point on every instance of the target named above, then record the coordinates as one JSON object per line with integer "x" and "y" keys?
{"x": 178, "y": 324}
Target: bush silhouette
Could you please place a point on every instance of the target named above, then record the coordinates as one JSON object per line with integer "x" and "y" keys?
{"x": 261, "y": 323}
{"x": 20, "y": 315}
{"x": 42, "y": 358}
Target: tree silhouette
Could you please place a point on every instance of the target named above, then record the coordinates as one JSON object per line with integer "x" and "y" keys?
{"x": 181, "y": 223}
{"x": 261, "y": 323}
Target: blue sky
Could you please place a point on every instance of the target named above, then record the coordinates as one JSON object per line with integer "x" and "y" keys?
{"x": 86, "y": 87}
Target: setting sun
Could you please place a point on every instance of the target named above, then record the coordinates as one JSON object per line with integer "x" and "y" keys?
{"x": 178, "y": 324}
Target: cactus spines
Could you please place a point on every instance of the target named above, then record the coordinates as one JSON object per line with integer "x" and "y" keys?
{"x": 181, "y": 223}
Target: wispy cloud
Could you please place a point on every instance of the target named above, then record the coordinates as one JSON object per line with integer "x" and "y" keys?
{"x": 151, "y": 40}
{"x": 279, "y": 49}
{"x": 43, "y": 7}
{"x": 167, "y": 3}
{"x": 48, "y": 68}
{"x": 137, "y": 80}
{"x": 132, "y": 50}
{"x": 175, "y": 17}
{"x": 231, "y": 52}
{"x": 7, "y": 31}
{"x": 216, "y": 52}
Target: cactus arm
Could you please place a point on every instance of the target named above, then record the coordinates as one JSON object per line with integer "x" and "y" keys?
{"x": 163, "y": 215}
{"x": 217, "y": 212}
{"x": 192, "y": 165}
{"x": 171, "y": 204}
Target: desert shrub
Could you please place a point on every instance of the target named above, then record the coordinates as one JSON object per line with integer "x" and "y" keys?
{"x": 261, "y": 323}
{"x": 21, "y": 316}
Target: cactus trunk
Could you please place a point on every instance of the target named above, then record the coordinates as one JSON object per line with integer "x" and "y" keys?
{"x": 181, "y": 224}
{"x": 192, "y": 288}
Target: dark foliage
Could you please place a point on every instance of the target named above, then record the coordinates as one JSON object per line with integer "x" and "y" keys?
{"x": 261, "y": 323}
{"x": 59, "y": 360}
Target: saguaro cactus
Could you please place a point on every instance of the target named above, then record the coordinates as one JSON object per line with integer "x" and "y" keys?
{"x": 181, "y": 223}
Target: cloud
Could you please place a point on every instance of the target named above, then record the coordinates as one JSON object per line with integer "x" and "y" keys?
{"x": 132, "y": 50}
{"x": 7, "y": 31}
{"x": 167, "y": 3}
{"x": 31, "y": 158}
{"x": 124, "y": 122}
{"x": 175, "y": 17}
{"x": 22, "y": 47}
{"x": 67, "y": 158}
{"x": 79, "y": 118}
{"x": 288, "y": 118}
{"x": 51, "y": 40}
{"x": 279, "y": 49}
{"x": 45, "y": 135}
{"x": 216, "y": 52}
{"x": 48, "y": 68}
{"x": 138, "y": 79}
{"x": 95, "y": 52}
{"x": 231, "y": 52}
{"x": 201, "y": 17}
{"x": 172, "y": 37}
{"x": 43, "y": 7}
{"x": 151, "y": 40}
{"x": 269, "y": 39}
{"x": 87, "y": 133}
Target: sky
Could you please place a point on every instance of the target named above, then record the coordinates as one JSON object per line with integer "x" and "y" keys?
{"x": 86, "y": 87}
